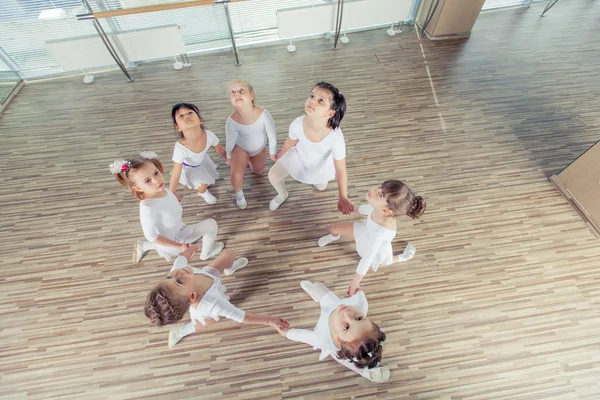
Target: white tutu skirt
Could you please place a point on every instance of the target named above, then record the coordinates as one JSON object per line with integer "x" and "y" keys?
{"x": 364, "y": 244}
{"x": 316, "y": 174}
{"x": 204, "y": 174}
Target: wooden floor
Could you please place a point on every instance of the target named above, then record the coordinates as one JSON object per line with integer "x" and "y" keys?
{"x": 502, "y": 300}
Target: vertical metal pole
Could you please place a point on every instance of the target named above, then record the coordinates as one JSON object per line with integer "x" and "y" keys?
{"x": 235, "y": 53}
{"x": 414, "y": 10}
{"x": 338, "y": 23}
{"x": 110, "y": 48}
{"x": 550, "y": 4}
{"x": 104, "y": 38}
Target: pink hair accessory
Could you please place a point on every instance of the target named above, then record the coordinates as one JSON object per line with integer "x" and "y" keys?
{"x": 119, "y": 166}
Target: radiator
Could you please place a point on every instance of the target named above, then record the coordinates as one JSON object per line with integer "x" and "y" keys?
{"x": 88, "y": 52}
{"x": 320, "y": 18}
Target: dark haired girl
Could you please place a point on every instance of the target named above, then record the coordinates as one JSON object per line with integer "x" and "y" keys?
{"x": 192, "y": 165}
{"x": 315, "y": 151}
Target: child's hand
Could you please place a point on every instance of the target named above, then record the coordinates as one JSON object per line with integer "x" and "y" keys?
{"x": 177, "y": 196}
{"x": 274, "y": 157}
{"x": 228, "y": 162}
{"x": 345, "y": 206}
{"x": 188, "y": 250}
{"x": 280, "y": 324}
{"x": 353, "y": 288}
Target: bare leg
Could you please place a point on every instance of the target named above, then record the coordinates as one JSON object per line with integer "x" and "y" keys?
{"x": 202, "y": 188}
{"x": 345, "y": 229}
{"x": 257, "y": 163}
{"x": 239, "y": 161}
{"x": 223, "y": 261}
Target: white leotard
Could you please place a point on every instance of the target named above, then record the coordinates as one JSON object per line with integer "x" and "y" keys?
{"x": 373, "y": 242}
{"x": 320, "y": 338}
{"x": 214, "y": 303}
{"x": 253, "y": 137}
{"x": 198, "y": 169}
{"x": 162, "y": 216}
{"x": 310, "y": 162}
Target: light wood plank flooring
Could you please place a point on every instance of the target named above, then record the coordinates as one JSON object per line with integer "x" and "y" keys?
{"x": 502, "y": 300}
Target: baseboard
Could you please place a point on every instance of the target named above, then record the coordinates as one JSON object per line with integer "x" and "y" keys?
{"x": 447, "y": 37}
{"x": 589, "y": 221}
{"x": 443, "y": 37}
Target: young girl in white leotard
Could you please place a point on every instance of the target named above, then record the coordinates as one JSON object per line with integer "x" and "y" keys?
{"x": 200, "y": 292}
{"x": 374, "y": 235}
{"x": 160, "y": 211}
{"x": 192, "y": 165}
{"x": 315, "y": 151}
{"x": 247, "y": 130}
{"x": 344, "y": 332}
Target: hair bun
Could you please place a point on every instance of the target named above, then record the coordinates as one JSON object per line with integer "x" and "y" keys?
{"x": 418, "y": 208}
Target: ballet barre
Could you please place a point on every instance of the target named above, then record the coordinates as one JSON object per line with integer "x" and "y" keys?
{"x": 93, "y": 16}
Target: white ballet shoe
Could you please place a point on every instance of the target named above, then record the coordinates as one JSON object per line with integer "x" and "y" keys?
{"x": 237, "y": 264}
{"x": 325, "y": 240}
{"x": 378, "y": 374}
{"x": 138, "y": 252}
{"x": 408, "y": 253}
{"x": 276, "y": 202}
{"x": 217, "y": 248}
{"x": 174, "y": 337}
{"x": 208, "y": 197}
{"x": 241, "y": 203}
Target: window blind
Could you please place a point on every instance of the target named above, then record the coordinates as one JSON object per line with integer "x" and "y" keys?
{"x": 25, "y": 26}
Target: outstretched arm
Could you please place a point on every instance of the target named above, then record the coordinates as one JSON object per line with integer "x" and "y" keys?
{"x": 230, "y": 138}
{"x": 344, "y": 205}
{"x": 221, "y": 151}
{"x": 302, "y": 335}
{"x": 288, "y": 144}
{"x": 174, "y": 181}
{"x": 271, "y": 135}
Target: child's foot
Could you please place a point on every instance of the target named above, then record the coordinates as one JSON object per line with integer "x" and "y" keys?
{"x": 237, "y": 264}
{"x": 377, "y": 374}
{"x": 325, "y": 240}
{"x": 174, "y": 337}
{"x": 217, "y": 248}
{"x": 240, "y": 201}
{"x": 408, "y": 253}
{"x": 308, "y": 288}
{"x": 208, "y": 197}
{"x": 138, "y": 251}
{"x": 277, "y": 201}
